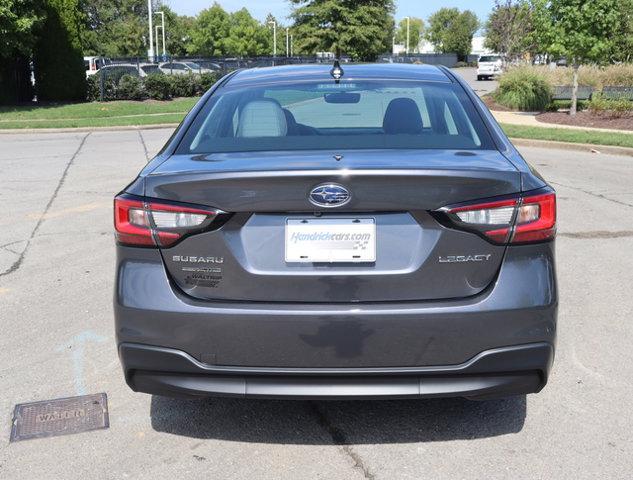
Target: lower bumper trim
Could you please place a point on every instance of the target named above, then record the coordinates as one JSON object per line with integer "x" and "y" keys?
{"x": 494, "y": 373}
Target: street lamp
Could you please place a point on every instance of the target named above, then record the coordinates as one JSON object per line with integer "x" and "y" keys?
{"x": 287, "y": 43}
{"x": 162, "y": 15}
{"x": 274, "y": 37}
{"x": 291, "y": 51}
{"x": 408, "y": 19}
{"x": 150, "y": 52}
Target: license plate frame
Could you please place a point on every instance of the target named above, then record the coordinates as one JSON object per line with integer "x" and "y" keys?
{"x": 330, "y": 240}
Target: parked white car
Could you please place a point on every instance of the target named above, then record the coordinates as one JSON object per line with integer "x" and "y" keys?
{"x": 489, "y": 66}
{"x": 181, "y": 68}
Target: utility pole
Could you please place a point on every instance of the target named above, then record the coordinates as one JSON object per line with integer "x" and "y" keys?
{"x": 150, "y": 52}
{"x": 274, "y": 37}
{"x": 162, "y": 15}
{"x": 291, "y": 51}
{"x": 408, "y": 26}
{"x": 287, "y": 43}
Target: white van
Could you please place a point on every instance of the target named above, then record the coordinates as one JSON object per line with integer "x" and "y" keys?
{"x": 93, "y": 64}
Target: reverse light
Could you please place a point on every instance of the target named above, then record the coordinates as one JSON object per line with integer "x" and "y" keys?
{"x": 521, "y": 219}
{"x": 146, "y": 222}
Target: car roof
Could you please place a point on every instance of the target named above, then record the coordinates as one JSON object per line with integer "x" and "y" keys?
{"x": 321, "y": 72}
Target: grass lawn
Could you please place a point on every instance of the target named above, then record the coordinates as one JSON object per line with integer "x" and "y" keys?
{"x": 569, "y": 136}
{"x": 96, "y": 114}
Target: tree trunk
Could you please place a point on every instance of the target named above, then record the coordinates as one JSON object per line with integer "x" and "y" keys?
{"x": 574, "y": 91}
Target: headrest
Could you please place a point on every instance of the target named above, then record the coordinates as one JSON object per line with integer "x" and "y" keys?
{"x": 402, "y": 116}
{"x": 262, "y": 118}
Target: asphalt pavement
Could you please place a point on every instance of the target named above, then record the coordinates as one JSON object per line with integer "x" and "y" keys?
{"x": 56, "y": 280}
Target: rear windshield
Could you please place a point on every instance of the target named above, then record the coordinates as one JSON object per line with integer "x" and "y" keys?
{"x": 326, "y": 116}
{"x": 489, "y": 58}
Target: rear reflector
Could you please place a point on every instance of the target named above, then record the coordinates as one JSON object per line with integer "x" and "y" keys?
{"x": 520, "y": 219}
{"x": 145, "y": 222}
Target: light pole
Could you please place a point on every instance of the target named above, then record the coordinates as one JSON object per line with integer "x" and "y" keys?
{"x": 408, "y": 19}
{"x": 156, "y": 35}
{"x": 162, "y": 15}
{"x": 291, "y": 51}
{"x": 287, "y": 43}
{"x": 150, "y": 52}
{"x": 274, "y": 37}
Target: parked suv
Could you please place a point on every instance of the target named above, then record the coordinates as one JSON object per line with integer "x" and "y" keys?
{"x": 489, "y": 66}
{"x": 314, "y": 232}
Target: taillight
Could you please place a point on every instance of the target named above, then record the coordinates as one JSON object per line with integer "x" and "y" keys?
{"x": 146, "y": 222}
{"x": 509, "y": 220}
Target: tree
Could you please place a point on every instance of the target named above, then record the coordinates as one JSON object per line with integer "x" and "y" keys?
{"x": 19, "y": 22}
{"x": 509, "y": 28}
{"x": 246, "y": 37}
{"x": 580, "y": 31}
{"x": 360, "y": 28}
{"x": 210, "y": 32}
{"x": 624, "y": 37}
{"x": 58, "y": 57}
{"x": 115, "y": 28}
{"x": 416, "y": 29}
{"x": 452, "y": 31}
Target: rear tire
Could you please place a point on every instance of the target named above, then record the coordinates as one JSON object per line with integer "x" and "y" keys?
{"x": 480, "y": 78}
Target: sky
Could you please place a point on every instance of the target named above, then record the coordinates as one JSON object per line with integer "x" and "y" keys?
{"x": 281, "y": 8}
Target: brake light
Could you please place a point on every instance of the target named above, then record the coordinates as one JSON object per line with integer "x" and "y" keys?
{"x": 145, "y": 222}
{"x": 537, "y": 219}
{"x": 522, "y": 219}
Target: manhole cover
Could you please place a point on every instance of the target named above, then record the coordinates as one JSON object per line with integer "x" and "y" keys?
{"x": 61, "y": 416}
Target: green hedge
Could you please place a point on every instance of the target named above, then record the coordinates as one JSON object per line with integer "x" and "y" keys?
{"x": 156, "y": 86}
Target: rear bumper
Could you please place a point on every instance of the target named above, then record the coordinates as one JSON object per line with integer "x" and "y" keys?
{"x": 494, "y": 373}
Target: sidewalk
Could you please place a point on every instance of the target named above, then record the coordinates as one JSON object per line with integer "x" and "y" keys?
{"x": 527, "y": 119}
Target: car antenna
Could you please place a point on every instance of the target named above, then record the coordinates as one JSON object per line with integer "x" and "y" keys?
{"x": 337, "y": 72}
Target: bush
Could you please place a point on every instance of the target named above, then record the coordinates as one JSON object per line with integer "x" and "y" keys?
{"x": 92, "y": 88}
{"x": 158, "y": 86}
{"x": 184, "y": 85}
{"x": 130, "y": 88}
{"x": 461, "y": 65}
{"x": 609, "y": 107}
{"x": 207, "y": 80}
{"x": 523, "y": 89}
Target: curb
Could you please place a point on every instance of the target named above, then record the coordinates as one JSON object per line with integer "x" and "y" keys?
{"x": 577, "y": 147}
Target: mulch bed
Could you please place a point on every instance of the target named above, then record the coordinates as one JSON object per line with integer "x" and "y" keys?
{"x": 588, "y": 119}
{"x": 494, "y": 106}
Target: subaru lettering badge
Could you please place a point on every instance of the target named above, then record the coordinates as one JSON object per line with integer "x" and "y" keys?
{"x": 329, "y": 195}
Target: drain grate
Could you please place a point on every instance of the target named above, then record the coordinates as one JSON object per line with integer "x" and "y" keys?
{"x": 62, "y": 416}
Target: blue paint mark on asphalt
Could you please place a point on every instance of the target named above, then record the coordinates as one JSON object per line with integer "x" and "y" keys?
{"x": 77, "y": 345}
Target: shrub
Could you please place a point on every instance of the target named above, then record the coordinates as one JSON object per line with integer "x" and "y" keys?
{"x": 130, "y": 88}
{"x": 92, "y": 88}
{"x": 184, "y": 85}
{"x": 609, "y": 107}
{"x": 461, "y": 65}
{"x": 158, "y": 86}
{"x": 523, "y": 89}
{"x": 207, "y": 80}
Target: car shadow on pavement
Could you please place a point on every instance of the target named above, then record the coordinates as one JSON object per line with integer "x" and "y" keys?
{"x": 339, "y": 422}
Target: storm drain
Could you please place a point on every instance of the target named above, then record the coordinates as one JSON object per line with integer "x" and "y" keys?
{"x": 62, "y": 416}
